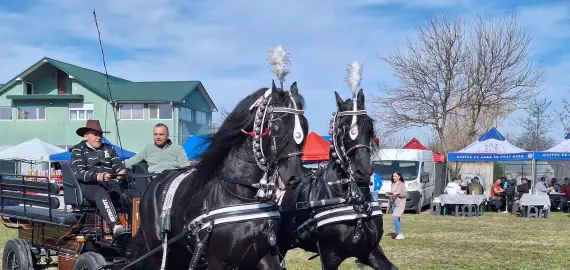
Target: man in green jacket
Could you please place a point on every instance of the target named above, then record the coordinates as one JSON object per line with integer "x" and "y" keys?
{"x": 162, "y": 155}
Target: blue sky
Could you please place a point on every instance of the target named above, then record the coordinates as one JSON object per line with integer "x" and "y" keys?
{"x": 224, "y": 43}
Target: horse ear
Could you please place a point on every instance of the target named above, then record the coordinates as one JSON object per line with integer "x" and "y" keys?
{"x": 360, "y": 96}
{"x": 339, "y": 101}
{"x": 273, "y": 87}
{"x": 294, "y": 88}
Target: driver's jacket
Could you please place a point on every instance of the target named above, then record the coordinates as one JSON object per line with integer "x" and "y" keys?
{"x": 87, "y": 162}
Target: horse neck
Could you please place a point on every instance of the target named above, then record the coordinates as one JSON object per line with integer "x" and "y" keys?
{"x": 322, "y": 189}
{"x": 240, "y": 165}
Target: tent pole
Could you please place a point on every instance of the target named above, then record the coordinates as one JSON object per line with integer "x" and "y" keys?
{"x": 533, "y": 171}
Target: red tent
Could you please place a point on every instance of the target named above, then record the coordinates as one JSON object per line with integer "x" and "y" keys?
{"x": 415, "y": 144}
{"x": 316, "y": 148}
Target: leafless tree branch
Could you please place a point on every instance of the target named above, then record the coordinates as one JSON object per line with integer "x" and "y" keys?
{"x": 459, "y": 80}
{"x": 536, "y": 122}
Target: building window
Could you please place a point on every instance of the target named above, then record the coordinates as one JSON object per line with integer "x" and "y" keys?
{"x": 5, "y": 113}
{"x": 131, "y": 111}
{"x": 186, "y": 114}
{"x": 29, "y": 88}
{"x": 31, "y": 113}
{"x": 160, "y": 111}
{"x": 201, "y": 118}
{"x": 80, "y": 111}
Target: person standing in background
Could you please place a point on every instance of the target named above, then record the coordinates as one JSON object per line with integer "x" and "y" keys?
{"x": 397, "y": 202}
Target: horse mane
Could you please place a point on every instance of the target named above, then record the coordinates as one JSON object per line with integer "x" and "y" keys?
{"x": 228, "y": 136}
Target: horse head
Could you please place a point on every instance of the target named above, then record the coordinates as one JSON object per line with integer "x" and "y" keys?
{"x": 279, "y": 132}
{"x": 352, "y": 137}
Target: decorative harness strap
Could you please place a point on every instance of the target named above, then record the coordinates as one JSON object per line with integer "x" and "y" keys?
{"x": 166, "y": 213}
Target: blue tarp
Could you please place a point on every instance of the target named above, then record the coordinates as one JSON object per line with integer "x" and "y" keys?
{"x": 492, "y": 146}
{"x": 194, "y": 146}
{"x": 66, "y": 156}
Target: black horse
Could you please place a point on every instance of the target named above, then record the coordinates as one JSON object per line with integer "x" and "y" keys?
{"x": 228, "y": 175}
{"x": 331, "y": 212}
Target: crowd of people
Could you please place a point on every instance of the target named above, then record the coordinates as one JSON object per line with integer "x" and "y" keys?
{"x": 506, "y": 194}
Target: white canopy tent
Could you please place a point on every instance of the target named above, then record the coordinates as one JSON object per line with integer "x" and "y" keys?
{"x": 34, "y": 151}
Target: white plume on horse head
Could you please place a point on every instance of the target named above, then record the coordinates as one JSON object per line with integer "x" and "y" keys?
{"x": 354, "y": 76}
{"x": 279, "y": 60}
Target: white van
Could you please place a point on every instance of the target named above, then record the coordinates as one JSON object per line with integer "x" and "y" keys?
{"x": 418, "y": 170}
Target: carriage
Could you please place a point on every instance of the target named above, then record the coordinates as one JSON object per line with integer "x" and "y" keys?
{"x": 71, "y": 239}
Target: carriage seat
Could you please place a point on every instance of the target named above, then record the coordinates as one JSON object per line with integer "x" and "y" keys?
{"x": 41, "y": 206}
{"x": 72, "y": 194}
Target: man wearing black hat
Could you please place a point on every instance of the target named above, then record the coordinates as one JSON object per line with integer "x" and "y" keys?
{"x": 93, "y": 162}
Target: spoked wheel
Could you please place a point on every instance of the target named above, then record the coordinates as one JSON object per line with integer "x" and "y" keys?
{"x": 17, "y": 255}
{"x": 89, "y": 261}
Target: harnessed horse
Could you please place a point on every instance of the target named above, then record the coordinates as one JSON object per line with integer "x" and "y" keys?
{"x": 223, "y": 211}
{"x": 331, "y": 212}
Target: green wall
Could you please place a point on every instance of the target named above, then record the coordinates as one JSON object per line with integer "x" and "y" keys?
{"x": 195, "y": 101}
{"x": 57, "y": 129}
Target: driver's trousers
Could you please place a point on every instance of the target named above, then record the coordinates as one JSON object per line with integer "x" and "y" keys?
{"x": 102, "y": 196}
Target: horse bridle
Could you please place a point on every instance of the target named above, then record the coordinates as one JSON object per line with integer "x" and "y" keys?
{"x": 263, "y": 109}
{"x": 340, "y": 153}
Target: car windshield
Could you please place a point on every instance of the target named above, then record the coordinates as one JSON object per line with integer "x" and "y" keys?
{"x": 385, "y": 168}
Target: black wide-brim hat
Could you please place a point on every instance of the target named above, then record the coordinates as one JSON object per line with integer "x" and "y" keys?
{"x": 92, "y": 125}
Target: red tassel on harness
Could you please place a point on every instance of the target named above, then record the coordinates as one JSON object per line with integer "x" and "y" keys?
{"x": 252, "y": 134}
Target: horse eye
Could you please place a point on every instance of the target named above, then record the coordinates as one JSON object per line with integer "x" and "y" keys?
{"x": 275, "y": 128}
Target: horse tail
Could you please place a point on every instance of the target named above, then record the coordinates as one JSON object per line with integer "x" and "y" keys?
{"x": 136, "y": 249}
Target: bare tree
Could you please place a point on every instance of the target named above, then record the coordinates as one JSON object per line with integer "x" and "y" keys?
{"x": 536, "y": 123}
{"x": 455, "y": 76}
{"x": 393, "y": 141}
{"x": 564, "y": 116}
{"x": 433, "y": 78}
{"x": 501, "y": 74}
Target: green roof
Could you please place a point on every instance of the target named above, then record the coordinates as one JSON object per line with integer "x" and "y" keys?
{"x": 93, "y": 79}
{"x": 122, "y": 89}
{"x": 159, "y": 91}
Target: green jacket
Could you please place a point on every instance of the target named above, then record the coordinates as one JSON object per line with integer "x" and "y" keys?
{"x": 159, "y": 159}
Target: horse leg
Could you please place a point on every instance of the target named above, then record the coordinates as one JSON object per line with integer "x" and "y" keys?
{"x": 216, "y": 264}
{"x": 330, "y": 259}
{"x": 377, "y": 260}
{"x": 269, "y": 262}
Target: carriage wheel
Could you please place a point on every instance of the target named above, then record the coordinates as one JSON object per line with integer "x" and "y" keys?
{"x": 17, "y": 255}
{"x": 89, "y": 261}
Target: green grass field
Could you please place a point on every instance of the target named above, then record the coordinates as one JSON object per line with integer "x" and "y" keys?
{"x": 492, "y": 241}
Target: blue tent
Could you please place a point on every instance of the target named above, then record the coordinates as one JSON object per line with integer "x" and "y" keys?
{"x": 558, "y": 152}
{"x": 492, "y": 146}
{"x": 66, "y": 156}
{"x": 194, "y": 146}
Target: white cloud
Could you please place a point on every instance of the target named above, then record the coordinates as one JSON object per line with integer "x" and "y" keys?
{"x": 222, "y": 44}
